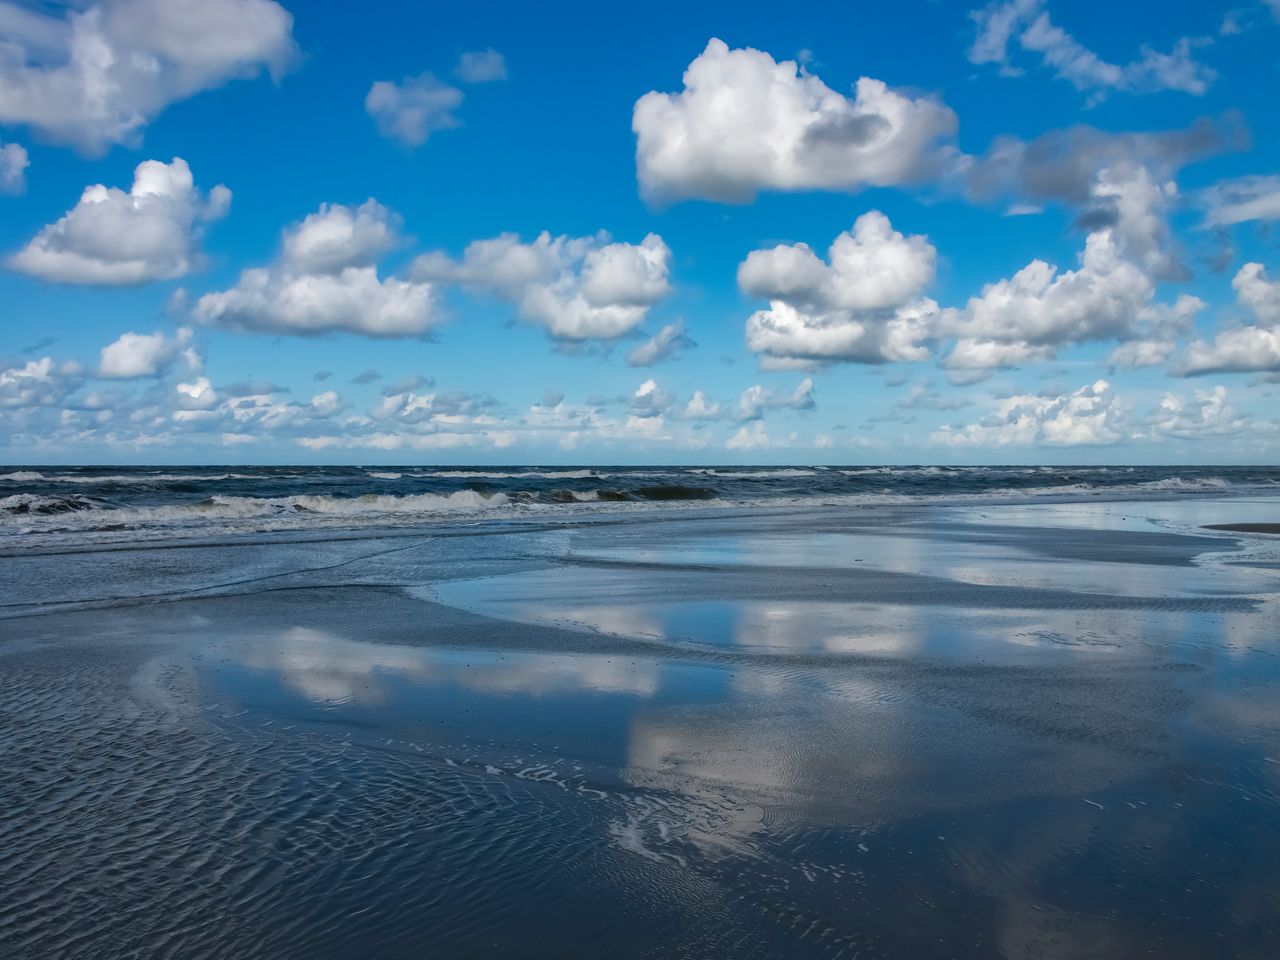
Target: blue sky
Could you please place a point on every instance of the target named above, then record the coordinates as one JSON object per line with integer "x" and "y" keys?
{"x": 1052, "y": 228}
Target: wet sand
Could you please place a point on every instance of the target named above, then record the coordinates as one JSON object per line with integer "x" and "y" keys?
{"x": 1271, "y": 528}
{"x": 1016, "y": 732}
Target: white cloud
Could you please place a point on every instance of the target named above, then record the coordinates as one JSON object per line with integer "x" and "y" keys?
{"x": 326, "y": 281}
{"x": 744, "y": 123}
{"x": 13, "y": 167}
{"x": 700, "y": 408}
{"x": 1252, "y": 347}
{"x": 584, "y": 288}
{"x": 1089, "y": 416}
{"x": 1258, "y": 293}
{"x": 481, "y": 66}
{"x": 756, "y": 399}
{"x": 134, "y": 355}
{"x": 37, "y": 383}
{"x": 1207, "y": 413}
{"x": 1156, "y": 333}
{"x": 99, "y": 72}
{"x": 412, "y": 110}
{"x": 114, "y": 238}
{"x": 326, "y": 404}
{"x": 410, "y": 406}
{"x": 666, "y": 344}
{"x": 649, "y": 400}
{"x": 197, "y": 395}
{"x": 1245, "y": 198}
{"x": 335, "y": 237}
{"x": 1026, "y": 23}
{"x": 752, "y": 436}
{"x": 863, "y": 306}
{"x": 1141, "y": 353}
{"x": 1040, "y": 309}
{"x": 1134, "y": 206}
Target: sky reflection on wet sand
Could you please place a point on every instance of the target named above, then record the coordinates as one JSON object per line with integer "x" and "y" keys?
{"x": 649, "y": 730}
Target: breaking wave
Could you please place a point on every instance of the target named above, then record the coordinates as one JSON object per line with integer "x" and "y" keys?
{"x": 75, "y": 503}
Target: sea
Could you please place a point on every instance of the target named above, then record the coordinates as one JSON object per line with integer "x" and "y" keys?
{"x": 105, "y": 503}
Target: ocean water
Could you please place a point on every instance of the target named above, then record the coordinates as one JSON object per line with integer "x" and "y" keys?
{"x": 113, "y": 503}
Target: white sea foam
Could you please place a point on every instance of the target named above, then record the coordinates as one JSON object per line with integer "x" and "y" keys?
{"x": 520, "y": 475}
{"x": 30, "y": 513}
{"x": 32, "y": 476}
{"x": 756, "y": 474}
{"x": 26, "y": 503}
{"x": 1195, "y": 483}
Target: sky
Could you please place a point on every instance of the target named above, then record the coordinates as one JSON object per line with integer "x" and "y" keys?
{"x": 1031, "y": 231}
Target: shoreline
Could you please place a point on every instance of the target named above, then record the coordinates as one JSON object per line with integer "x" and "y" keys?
{"x": 166, "y": 531}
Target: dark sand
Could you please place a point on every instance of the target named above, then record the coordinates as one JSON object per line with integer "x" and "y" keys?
{"x": 846, "y": 733}
{"x": 1273, "y": 528}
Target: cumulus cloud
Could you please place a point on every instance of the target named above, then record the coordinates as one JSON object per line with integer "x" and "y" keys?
{"x": 412, "y": 110}
{"x": 135, "y": 355}
{"x": 756, "y": 399}
{"x": 752, "y": 436}
{"x": 666, "y": 344}
{"x": 649, "y": 400}
{"x": 326, "y": 281}
{"x": 37, "y": 383}
{"x": 1156, "y": 333}
{"x": 1246, "y": 198}
{"x": 583, "y": 288}
{"x": 862, "y": 305}
{"x": 199, "y": 394}
{"x": 1249, "y": 347}
{"x": 96, "y": 74}
{"x": 744, "y": 123}
{"x": 1089, "y": 416}
{"x": 114, "y": 238}
{"x": 700, "y": 407}
{"x": 481, "y": 66}
{"x": 325, "y": 405}
{"x": 1041, "y": 309}
{"x": 1207, "y": 413}
{"x": 1027, "y": 24}
{"x": 13, "y": 167}
{"x": 335, "y": 237}
{"x": 456, "y": 407}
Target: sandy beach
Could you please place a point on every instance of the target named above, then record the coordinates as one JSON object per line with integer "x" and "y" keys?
{"x": 835, "y": 732}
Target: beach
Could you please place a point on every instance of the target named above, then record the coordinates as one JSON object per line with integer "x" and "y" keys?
{"x": 961, "y": 726}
